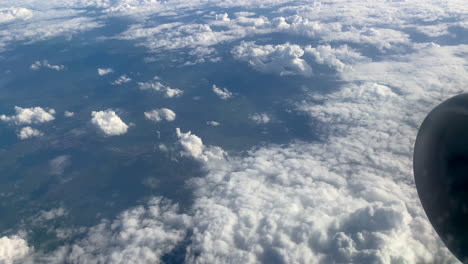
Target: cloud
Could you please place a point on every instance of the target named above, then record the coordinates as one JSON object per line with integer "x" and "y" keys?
{"x": 13, "y": 249}
{"x": 68, "y": 114}
{"x": 143, "y": 234}
{"x": 260, "y": 118}
{"x": 59, "y": 164}
{"x": 338, "y": 58}
{"x": 104, "y": 71}
{"x": 193, "y": 147}
{"x": 167, "y": 91}
{"x": 33, "y": 115}
{"x": 12, "y": 13}
{"x": 39, "y": 64}
{"x": 29, "y": 132}
{"x": 159, "y": 115}
{"x": 48, "y": 20}
{"x": 51, "y": 214}
{"x": 282, "y": 59}
{"x": 222, "y": 93}
{"x": 121, "y": 80}
{"x": 213, "y": 123}
{"x": 109, "y": 123}
{"x": 222, "y": 17}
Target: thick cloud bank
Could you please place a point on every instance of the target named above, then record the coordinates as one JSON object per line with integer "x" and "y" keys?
{"x": 109, "y": 123}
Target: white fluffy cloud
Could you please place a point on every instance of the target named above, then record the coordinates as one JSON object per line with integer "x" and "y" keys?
{"x": 159, "y": 115}
{"x": 282, "y": 59}
{"x": 192, "y": 146}
{"x": 104, "y": 71}
{"x": 289, "y": 59}
{"x": 29, "y": 132}
{"x": 222, "y": 93}
{"x": 13, "y": 249}
{"x": 156, "y": 86}
{"x": 33, "y": 115}
{"x": 39, "y": 64}
{"x": 338, "y": 58}
{"x": 109, "y": 123}
{"x": 121, "y": 80}
{"x": 13, "y": 13}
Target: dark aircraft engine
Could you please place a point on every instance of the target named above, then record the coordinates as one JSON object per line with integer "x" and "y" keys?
{"x": 440, "y": 165}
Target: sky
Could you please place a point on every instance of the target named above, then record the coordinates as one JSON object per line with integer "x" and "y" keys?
{"x": 274, "y": 131}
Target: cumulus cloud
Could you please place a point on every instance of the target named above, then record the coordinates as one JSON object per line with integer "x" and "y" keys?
{"x": 13, "y": 249}
{"x": 33, "y": 115}
{"x": 13, "y": 13}
{"x": 104, "y": 71}
{"x": 121, "y": 80}
{"x": 159, "y": 115}
{"x": 222, "y": 93}
{"x": 109, "y": 123}
{"x": 338, "y": 58}
{"x": 193, "y": 146}
{"x": 222, "y": 17}
{"x": 39, "y": 64}
{"x": 29, "y": 132}
{"x": 156, "y": 86}
{"x": 68, "y": 114}
{"x": 284, "y": 59}
{"x": 260, "y": 118}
